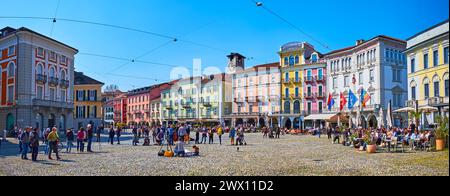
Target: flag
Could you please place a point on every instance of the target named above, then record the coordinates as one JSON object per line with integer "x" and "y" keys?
{"x": 343, "y": 101}
{"x": 352, "y": 99}
{"x": 365, "y": 97}
{"x": 330, "y": 102}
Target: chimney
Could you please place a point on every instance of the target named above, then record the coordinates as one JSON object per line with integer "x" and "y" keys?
{"x": 359, "y": 42}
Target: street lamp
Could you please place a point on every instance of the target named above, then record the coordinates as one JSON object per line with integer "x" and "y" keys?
{"x": 259, "y": 4}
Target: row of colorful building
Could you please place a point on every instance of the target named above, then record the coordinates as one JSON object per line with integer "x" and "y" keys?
{"x": 294, "y": 92}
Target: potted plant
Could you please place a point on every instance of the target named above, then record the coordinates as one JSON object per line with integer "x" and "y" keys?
{"x": 370, "y": 142}
{"x": 441, "y": 132}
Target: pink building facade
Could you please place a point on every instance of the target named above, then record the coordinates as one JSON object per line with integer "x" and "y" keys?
{"x": 315, "y": 89}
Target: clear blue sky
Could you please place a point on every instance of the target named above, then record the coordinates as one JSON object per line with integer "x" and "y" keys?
{"x": 232, "y": 25}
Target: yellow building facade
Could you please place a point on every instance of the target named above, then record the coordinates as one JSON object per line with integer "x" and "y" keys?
{"x": 428, "y": 69}
{"x": 87, "y": 101}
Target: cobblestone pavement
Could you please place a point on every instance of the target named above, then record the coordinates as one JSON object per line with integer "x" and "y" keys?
{"x": 290, "y": 155}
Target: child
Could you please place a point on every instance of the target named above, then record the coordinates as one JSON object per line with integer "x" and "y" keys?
{"x": 196, "y": 151}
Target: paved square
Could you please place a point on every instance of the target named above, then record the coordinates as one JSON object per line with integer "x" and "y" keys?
{"x": 290, "y": 155}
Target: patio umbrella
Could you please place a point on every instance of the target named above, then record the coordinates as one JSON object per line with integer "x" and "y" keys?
{"x": 405, "y": 110}
{"x": 381, "y": 119}
{"x": 428, "y": 109}
{"x": 389, "y": 116}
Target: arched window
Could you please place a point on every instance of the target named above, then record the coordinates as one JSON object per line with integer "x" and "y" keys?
{"x": 286, "y": 61}
{"x": 291, "y": 60}
{"x": 39, "y": 69}
{"x": 436, "y": 85}
{"x": 287, "y": 107}
{"x": 314, "y": 58}
{"x": 426, "y": 86}
{"x": 11, "y": 69}
{"x": 52, "y": 72}
{"x": 297, "y": 60}
{"x": 286, "y": 92}
{"x": 63, "y": 75}
{"x": 297, "y": 107}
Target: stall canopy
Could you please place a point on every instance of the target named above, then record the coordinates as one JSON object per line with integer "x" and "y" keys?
{"x": 326, "y": 117}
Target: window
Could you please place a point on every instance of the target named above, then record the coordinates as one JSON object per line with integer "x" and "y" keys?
{"x": 309, "y": 91}
{"x": 286, "y": 77}
{"x": 80, "y": 95}
{"x": 291, "y": 61}
{"x": 40, "y": 92}
{"x": 296, "y": 76}
{"x": 10, "y": 94}
{"x": 63, "y": 95}
{"x": 286, "y": 92}
{"x": 297, "y": 60}
{"x": 320, "y": 91}
{"x": 425, "y": 61}
{"x": 63, "y": 59}
{"x": 436, "y": 89}
{"x": 296, "y": 92}
{"x": 372, "y": 75}
{"x": 309, "y": 107}
{"x": 52, "y": 72}
{"x": 40, "y": 69}
{"x": 11, "y": 50}
{"x": 427, "y": 90}
{"x": 40, "y": 52}
{"x": 446, "y": 83}
{"x": 287, "y": 107}
{"x": 63, "y": 75}
{"x": 361, "y": 80}
{"x": 52, "y": 56}
{"x": 335, "y": 83}
{"x": 314, "y": 58}
{"x": 52, "y": 94}
{"x": 286, "y": 61}
{"x": 446, "y": 55}
{"x": 435, "y": 58}
{"x": 413, "y": 93}
{"x": 320, "y": 107}
{"x": 93, "y": 95}
{"x": 346, "y": 81}
{"x": 11, "y": 69}
{"x": 320, "y": 74}
{"x": 413, "y": 65}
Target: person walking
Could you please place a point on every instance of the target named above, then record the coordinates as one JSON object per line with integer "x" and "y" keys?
{"x": 204, "y": 135}
{"x": 118, "y": 134}
{"x": 111, "y": 134}
{"x": 277, "y": 132}
{"x": 19, "y": 133}
{"x": 99, "y": 132}
{"x": 211, "y": 136}
{"x": 70, "y": 138}
{"x": 46, "y": 132}
{"x": 197, "y": 135}
{"x": 25, "y": 139}
{"x": 90, "y": 136}
{"x": 220, "y": 133}
{"x": 171, "y": 132}
{"x": 34, "y": 144}
{"x": 329, "y": 133}
{"x": 135, "y": 136}
{"x": 232, "y": 135}
{"x": 53, "y": 140}
{"x": 81, "y": 136}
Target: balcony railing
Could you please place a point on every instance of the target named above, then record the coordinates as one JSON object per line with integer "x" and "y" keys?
{"x": 239, "y": 100}
{"x": 64, "y": 83}
{"x": 296, "y": 80}
{"x": 309, "y": 79}
{"x": 186, "y": 105}
{"x": 411, "y": 103}
{"x": 41, "y": 79}
{"x": 286, "y": 81}
{"x": 206, "y": 103}
{"x": 320, "y": 95}
{"x": 436, "y": 101}
{"x": 321, "y": 78}
{"x": 54, "y": 104}
{"x": 168, "y": 106}
{"x": 308, "y": 96}
{"x": 53, "y": 81}
{"x": 274, "y": 98}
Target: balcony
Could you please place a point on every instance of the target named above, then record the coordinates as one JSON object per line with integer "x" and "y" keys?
{"x": 186, "y": 105}
{"x": 206, "y": 103}
{"x": 53, "y": 81}
{"x": 296, "y": 80}
{"x": 41, "y": 79}
{"x": 308, "y": 96}
{"x": 411, "y": 103}
{"x": 437, "y": 101}
{"x": 53, "y": 104}
{"x": 320, "y": 78}
{"x": 168, "y": 106}
{"x": 64, "y": 83}
{"x": 286, "y": 81}
{"x": 250, "y": 99}
{"x": 320, "y": 95}
{"x": 296, "y": 96}
{"x": 309, "y": 79}
{"x": 274, "y": 98}
{"x": 239, "y": 100}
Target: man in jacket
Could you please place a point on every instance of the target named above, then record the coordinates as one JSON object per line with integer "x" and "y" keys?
{"x": 34, "y": 143}
{"x": 90, "y": 135}
{"x": 25, "y": 139}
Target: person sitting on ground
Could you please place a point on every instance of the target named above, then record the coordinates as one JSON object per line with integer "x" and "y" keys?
{"x": 179, "y": 149}
{"x": 196, "y": 151}
{"x": 146, "y": 141}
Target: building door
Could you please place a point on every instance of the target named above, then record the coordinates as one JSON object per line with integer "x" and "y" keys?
{"x": 9, "y": 122}
{"x": 39, "y": 122}
{"x": 51, "y": 121}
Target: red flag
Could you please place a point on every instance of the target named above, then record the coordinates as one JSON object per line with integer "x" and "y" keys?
{"x": 343, "y": 101}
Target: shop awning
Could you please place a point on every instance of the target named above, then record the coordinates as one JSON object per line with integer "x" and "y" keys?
{"x": 320, "y": 116}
